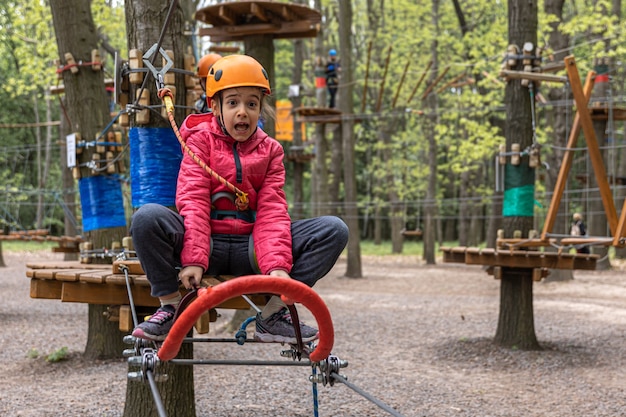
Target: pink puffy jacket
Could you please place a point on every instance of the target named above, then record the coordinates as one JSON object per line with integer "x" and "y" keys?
{"x": 255, "y": 167}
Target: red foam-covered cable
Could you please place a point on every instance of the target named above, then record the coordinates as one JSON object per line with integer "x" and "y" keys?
{"x": 253, "y": 284}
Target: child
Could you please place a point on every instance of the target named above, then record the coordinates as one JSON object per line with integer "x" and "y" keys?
{"x": 332, "y": 76}
{"x": 202, "y": 70}
{"x": 209, "y": 234}
{"x": 579, "y": 229}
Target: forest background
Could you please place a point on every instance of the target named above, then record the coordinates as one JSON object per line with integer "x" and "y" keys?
{"x": 403, "y": 171}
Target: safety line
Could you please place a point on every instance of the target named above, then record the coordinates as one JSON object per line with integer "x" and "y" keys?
{"x": 155, "y": 394}
{"x": 366, "y": 395}
{"x": 239, "y": 362}
{"x": 130, "y": 295}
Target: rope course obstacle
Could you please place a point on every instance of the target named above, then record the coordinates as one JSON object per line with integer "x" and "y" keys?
{"x": 126, "y": 286}
{"x": 522, "y": 252}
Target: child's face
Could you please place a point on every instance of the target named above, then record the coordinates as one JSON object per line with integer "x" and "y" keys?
{"x": 240, "y": 109}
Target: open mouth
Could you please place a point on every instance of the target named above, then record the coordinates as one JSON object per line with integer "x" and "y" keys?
{"x": 241, "y": 127}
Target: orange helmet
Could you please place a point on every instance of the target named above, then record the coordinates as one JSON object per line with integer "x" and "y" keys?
{"x": 236, "y": 71}
{"x": 205, "y": 63}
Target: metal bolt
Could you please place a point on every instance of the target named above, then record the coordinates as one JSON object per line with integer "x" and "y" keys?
{"x": 135, "y": 360}
{"x": 128, "y": 353}
{"x": 135, "y": 376}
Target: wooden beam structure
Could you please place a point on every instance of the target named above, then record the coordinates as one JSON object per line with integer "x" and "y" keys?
{"x": 235, "y": 20}
{"x": 592, "y": 144}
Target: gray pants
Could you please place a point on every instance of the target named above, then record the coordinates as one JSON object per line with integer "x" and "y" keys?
{"x": 157, "y": 234}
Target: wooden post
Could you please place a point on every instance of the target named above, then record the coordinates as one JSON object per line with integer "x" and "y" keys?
{"x": 592, "y": 144}
{"x": 566, "y": 164}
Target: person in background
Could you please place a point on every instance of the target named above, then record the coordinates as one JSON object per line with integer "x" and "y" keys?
{"x": 319, "y": 71}
{"x": 332, "y": 76}
{"x": 202, "y": 69}
{"x": 579, "y": 229}
{"x": 213, "y": 232}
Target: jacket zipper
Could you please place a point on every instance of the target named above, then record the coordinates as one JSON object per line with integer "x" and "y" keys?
{"x": 237, "y": 164}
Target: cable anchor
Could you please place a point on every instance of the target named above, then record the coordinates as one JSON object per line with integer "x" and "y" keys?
{"x": 328, "y": 367}
{"x": 148, "y": 362}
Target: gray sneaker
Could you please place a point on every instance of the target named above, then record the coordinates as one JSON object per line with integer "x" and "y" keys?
{"x": 279, "y": 328}
{"x": 158, "y": 325}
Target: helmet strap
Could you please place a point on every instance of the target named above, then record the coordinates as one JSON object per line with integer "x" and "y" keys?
{"x": 220, "y": 119}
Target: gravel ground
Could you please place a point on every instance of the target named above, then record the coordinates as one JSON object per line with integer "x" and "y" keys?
{"x": 416, "y": 337}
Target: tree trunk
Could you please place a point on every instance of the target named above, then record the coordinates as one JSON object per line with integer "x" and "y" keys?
{"x": 396, "y": 208}
{"x": 346, "y": 104}
{"x": 557, "y": 117}
{"x": 298, "y": 166}
{"x": 477, "y": 212}
{"x": 464, "y": 212}
{"x": 145, "y": 21}
{"x": 516, "y": 327}
{"x": 378, "y": 225}
{"x": 69, "y": 195}
{"x": 515, "y": 321}
{"x": 430, "y": 121}
{"x": 104, "y": 338}
{"x": 40, "y": 209}
{"x": 88, "y": 113}
{"x": 176, "y": 391}
{"x": 319, "y": 177}
{"x": 261, "y": 47}
{"x": 336, "y": 170}
{"x": 320, "y": 194}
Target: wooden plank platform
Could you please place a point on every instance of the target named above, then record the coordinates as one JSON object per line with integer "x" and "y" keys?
{"x": 317, "y": 115}
{"x": 518, "y": 258}
{"x": 72, "y": 281}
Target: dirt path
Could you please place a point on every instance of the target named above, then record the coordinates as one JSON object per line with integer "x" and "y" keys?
{"x": 416, "y": 337}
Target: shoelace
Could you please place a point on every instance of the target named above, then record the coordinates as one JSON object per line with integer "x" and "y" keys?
{"x": 160, "y": 316}
{"x": 286, "y": 317}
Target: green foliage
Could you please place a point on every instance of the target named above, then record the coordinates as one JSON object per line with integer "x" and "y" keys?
{"x": 403, "y": 35}
{"x": 27, "y": 43}
{"x": 58, "y": 355}
{"x": 27, "y": 246}
{"x": 411, "y": 247}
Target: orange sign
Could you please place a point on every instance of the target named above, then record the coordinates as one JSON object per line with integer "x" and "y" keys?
{"x": 284, "y": 122}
